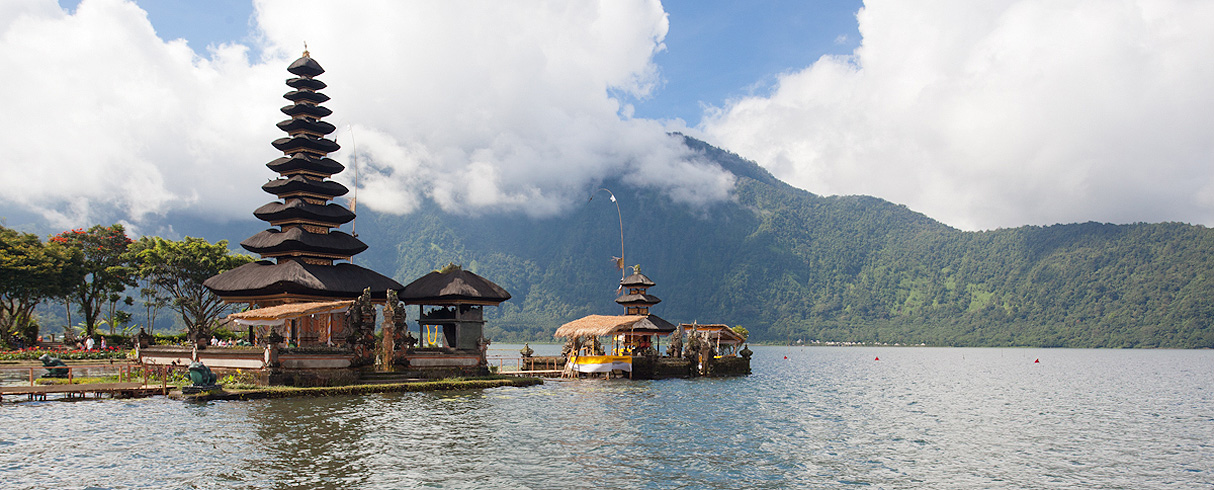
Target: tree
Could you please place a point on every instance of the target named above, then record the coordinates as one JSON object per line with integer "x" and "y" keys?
{"x": 179, "y": 267}
{"x": 153, "y": 301}
{"x": 107, "y": 268}
{"x": 30, "y": 272}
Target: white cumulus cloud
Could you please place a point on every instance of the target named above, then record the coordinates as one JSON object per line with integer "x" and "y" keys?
{"x": 1001, "y": 113}
{"x": 477, "y": 106}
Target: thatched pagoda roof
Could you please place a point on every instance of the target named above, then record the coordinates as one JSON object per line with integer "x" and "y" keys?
{"x": 638, "y": 300}
{"x": 292, "y": 310}
{"x": 453, "y": 287}
{"x": 300, "y": 209}
{"x": 637, "y": 280}
{"x": 265, "y": 278}
{"x": 600, "y": 325}
{"x": 273, "y": 241}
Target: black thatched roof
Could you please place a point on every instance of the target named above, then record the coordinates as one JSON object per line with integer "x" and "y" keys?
{"x": 652, "y": 324}
{"x": 315, "y": 127}
{"x": 335, "y": 214}
{"x": 313, "y": 111}
{"x": 297, "y": 239}
{"x": 638, "y": 300}
{"x": 306, "y": 67}
{"x": 309, "y": 83}
{"x": 304, "y": 161}
{"x": 452, "y": 288}
{"x": 299, "y": 143}
{"x": 637, "y": 280}
{"x": 299, "y": 183}
{"x": 265, "y": 278}
{"x": 306, "y": 96}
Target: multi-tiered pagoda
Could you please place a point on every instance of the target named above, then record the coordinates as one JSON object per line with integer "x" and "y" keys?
{"x": 305, "y": 258}
{"x": 636, "y": 299}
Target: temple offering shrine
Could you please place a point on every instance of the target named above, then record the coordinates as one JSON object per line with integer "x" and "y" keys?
{"x": 451, "y": 320}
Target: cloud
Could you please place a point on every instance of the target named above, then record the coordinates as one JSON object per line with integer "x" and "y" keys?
{"x": 995, "y": 114}
{"x": 479, "y": 107}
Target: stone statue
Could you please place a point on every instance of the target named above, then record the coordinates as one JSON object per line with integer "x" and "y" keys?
{"x": 143, "y": 339}
{"x": 675, "y": 349}
{"x": 694, "y": 344}
{"x": 572, "y": 346}
{"x": 746, "y": 352}
{"x": 360, "y": 319}
{"x": 52, "y": 372}
{"x": 203, "y": 379}
{"x": 394, "y": 327}
{"x": 526, "y": 351}
{"x": 201, "y": 375}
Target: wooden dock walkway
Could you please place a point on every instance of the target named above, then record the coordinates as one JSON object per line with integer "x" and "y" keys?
{"x": 539, "y": 373}
{"x": 124, "y": 387}
{"x": 39, "y": 392}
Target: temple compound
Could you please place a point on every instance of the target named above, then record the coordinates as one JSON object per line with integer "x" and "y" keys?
{"x": 311, "y": 317}
{"x": 632, "y": 346}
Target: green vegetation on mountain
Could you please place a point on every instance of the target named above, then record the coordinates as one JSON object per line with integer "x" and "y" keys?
{"x": 787, "y": 265}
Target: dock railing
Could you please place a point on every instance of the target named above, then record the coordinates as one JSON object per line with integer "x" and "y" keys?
{"x": 502, "y": 361}
{"x": 516, "y": 366}
{"x": 126, "y": 376}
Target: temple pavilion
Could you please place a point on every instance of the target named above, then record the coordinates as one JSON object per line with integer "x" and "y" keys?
{"x": 634, "y": 333}
{"x": 304, "y": 257}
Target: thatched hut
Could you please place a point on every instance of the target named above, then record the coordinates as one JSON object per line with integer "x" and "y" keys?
{"x": 724, "y": 340}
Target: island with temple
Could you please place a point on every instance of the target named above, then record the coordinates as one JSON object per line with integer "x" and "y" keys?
{"x": 310, "y": 314}
{"x": 311, "y": 317}
{"x": 629, "y": 345}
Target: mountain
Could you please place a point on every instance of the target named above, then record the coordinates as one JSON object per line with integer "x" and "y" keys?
{"x": 788, "y": 264}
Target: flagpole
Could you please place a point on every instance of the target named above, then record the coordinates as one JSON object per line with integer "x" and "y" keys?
{"x": 621, "y": 217}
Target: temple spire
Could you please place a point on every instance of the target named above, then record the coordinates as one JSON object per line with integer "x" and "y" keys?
{"x": 304, "y": 219}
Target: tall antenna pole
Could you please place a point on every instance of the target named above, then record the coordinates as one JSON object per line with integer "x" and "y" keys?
{"x": 354, "y": 200}
{"x": 621, "y": 217}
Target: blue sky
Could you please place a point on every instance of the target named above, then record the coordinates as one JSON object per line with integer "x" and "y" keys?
{"x": 715, "y": 50}
{"x": 980, "y": 114}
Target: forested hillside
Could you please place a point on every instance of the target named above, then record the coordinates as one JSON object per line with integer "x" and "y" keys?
{"x": 789, "y": 265}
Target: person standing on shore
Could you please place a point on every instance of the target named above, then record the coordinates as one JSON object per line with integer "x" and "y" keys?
{"x": 102, "y": 343}
{"x": 88, "y": 343}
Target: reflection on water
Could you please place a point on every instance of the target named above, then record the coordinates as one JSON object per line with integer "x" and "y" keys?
{"x": 822, "y": 418}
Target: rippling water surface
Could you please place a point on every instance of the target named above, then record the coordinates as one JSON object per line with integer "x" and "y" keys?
{"x": 822, "y": 418}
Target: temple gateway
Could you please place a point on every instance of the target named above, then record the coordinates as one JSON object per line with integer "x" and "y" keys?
{"x": 311, "y": 313}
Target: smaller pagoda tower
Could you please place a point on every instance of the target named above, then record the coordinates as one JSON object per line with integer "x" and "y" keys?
{"x": 636, "y": 299}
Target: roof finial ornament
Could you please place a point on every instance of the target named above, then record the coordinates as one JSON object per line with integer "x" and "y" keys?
{"x": 305, "y": 54}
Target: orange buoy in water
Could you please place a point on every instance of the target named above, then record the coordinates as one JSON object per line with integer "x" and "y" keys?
{"x": 786, "y": 357}
{"x": 877, "y": 358}
{"x": 1037, "y": 361}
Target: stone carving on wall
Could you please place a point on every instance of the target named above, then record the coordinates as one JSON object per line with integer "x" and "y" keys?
{"x": 361, "y": 320}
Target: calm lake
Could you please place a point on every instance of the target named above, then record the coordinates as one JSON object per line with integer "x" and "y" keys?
{"x": 825, "y": 417}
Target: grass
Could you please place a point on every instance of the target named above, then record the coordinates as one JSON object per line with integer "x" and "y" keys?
{"x": 447, "y": 384}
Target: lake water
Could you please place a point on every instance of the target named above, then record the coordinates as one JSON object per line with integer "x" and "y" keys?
{"x": 825, "y": 417}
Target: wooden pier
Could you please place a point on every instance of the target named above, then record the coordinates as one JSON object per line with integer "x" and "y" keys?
{"x": 125, "y": 387}
{"x": 539, "y": 373}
